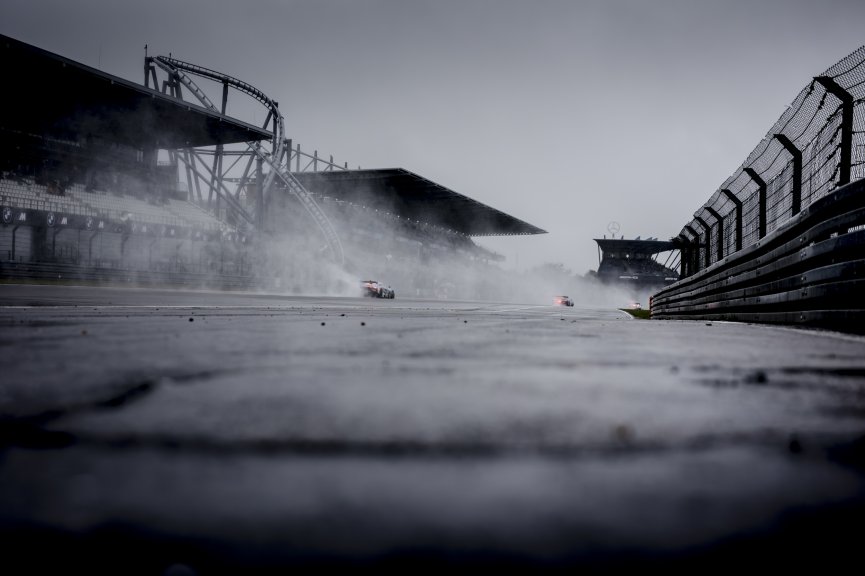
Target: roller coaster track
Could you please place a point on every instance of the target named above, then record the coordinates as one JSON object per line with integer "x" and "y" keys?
{"x": 181, "y": 71}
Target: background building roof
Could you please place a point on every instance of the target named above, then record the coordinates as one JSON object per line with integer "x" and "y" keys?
{"x": 61, "y": 98}
{"x": 413, "y": 197}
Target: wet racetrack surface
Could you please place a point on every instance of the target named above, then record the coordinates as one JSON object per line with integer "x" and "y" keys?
{"x": 231, "y": 433}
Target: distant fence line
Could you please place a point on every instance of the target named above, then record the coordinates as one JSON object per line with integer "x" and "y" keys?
{"x": 815, "y": 147}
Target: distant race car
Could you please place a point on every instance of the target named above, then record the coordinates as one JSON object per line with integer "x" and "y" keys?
{"x": 373, "y": 289}
{"x": 563, "y": 301}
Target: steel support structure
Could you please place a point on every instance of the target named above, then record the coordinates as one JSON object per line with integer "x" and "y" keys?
{"x": 761, "y": 205}
{"x": 249, "y": 201}
{"x": 677, "y": 260}
{"x": 846, "y": 160}
{"x": 720, "y": 220}
{"x": 796, "y": 196}
{"x": 708, "y": 234}
{"x": 694, "y": 253}
{"x": 685, "y": 255}
{"x": 738, "y": 207}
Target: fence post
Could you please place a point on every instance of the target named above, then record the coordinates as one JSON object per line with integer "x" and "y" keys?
{"x": 796, "y": 200}
{"x": 684, "y": 252}
{"x": 738, "y": 204}
{"x": 708, "y": 246}
{"x": 846, "y": 99}
{"x": 720, "y": 220}
{"x": 761, "y": 185}
{"x": 694, "y": 254}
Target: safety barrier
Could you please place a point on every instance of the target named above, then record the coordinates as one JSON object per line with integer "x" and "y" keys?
{"x": 781, "y": 239}
{"x": 809, "y": 271}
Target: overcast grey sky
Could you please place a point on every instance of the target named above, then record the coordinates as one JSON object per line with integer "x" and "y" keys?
{"x": 566, "y": 114}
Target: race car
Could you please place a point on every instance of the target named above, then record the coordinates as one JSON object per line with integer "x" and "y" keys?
{"x": 563, "y": 301}
{"x": 373, "y": 289}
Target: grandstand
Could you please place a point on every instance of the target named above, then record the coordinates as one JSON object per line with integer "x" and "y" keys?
{"x": 416, "y": 233}
{"x": 106, "y": 179}
{"x": 83, "y": 190}
{"x": 635, "y": 264}
{"x": 412, "y": 209}
{"x": 76, "y": 200}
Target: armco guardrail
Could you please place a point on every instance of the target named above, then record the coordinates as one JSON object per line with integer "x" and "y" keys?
{"x": 740, "y": 254}
{"x": 809, "y": 271}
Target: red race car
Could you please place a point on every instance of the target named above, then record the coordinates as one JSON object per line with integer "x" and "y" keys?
{"x": 373, "y": 289}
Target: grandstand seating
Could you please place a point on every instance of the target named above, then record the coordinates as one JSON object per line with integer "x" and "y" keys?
{"x": 24, "y": 193}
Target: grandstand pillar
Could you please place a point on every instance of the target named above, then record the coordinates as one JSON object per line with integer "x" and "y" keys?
{"x": 846, "y": 99}
{"x": 738, "y": 207}
{"x": 14, "y": 234}
{"x": 90, "y": 248}
{"x": 708, "y": 247}
{"x": 216, "y": 179}
{"x": 176, "y": 90}
{"x": 39, "y": 243}
{"x": 259, "y": 193}
{"x": 761, "y": 205}
{"x": 720, "y": 220}
{"x": 796, "y": 199}
{"x": 149, "y": 71}
{"x": 150, "y": 253}
{"x": 78, "y": 247}
{"x": 54, "y": 242}
{"x": 150, "y": 156}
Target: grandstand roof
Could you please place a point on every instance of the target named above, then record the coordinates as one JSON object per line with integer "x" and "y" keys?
{"x": 634, "y": 246}
{"x": 413, "y": 197}
{"x": 47, "y": 94}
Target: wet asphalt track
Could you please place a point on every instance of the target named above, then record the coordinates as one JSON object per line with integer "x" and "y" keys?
{"x": 231, "y": 433}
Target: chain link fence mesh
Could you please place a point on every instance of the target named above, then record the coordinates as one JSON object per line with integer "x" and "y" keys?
{"x": 812, "y": 122}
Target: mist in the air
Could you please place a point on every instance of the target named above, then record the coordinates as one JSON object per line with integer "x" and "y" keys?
{"x": 417, "y": 259}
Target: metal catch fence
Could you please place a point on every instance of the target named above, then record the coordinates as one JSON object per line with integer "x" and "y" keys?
{"x": 816, "y": 146}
